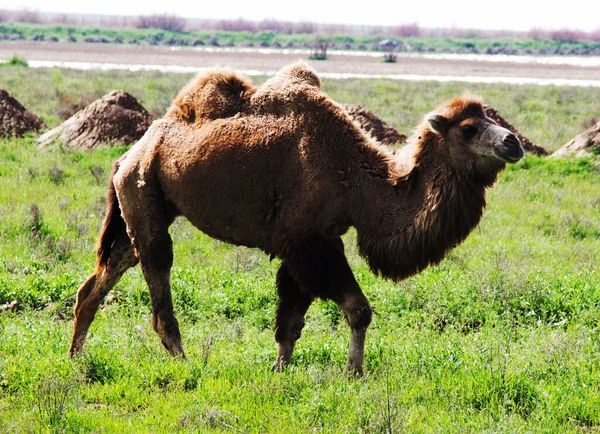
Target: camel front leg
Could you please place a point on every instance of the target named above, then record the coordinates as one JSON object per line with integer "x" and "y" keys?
{"x": 358, "y": 312}
{"x": 293, "y": 304}
{"x": 321, "y": 269}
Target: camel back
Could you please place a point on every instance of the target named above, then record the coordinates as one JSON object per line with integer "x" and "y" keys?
{"x": 222, "y": 94}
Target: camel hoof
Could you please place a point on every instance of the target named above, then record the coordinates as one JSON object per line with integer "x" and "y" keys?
{"x": 353, "y": 371}
{"x": 279, "y": 365}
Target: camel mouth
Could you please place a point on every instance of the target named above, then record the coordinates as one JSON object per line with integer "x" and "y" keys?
{"x": 509, "y": 155}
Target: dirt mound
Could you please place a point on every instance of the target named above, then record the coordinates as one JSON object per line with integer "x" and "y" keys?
{"x": 115, "y": 118}
{"x": 16, "y": 120}
{"x": 492, "y": 113}
{"x": 372, "y": 124}
{"x": 585, "y": 144}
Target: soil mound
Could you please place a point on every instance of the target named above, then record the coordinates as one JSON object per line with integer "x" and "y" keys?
{"x": 527, "y": 145}
{"x": 373, "y": 125}
{"x": 116, "y": 118}
{"x": 16, "y": 120}
{"x": 585, "y": 144}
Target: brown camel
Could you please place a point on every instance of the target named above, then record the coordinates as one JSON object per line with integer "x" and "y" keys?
{"x": 283, "y": 168}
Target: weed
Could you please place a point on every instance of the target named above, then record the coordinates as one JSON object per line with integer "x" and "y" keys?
{"x": 98, "y": 174}
{"x": 33, "y": 172}
{"x": 206, "y": 348}
{"x": 36, "y": 224}
{"x": 56, "y": 175}
{"x": 53, "y": 397}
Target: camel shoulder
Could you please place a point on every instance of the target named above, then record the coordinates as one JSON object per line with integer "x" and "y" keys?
{"x": 213, "y": 95}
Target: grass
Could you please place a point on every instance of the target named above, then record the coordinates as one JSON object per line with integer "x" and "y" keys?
{"x": 547, "y": 115}
{"x": 502, "y": 336}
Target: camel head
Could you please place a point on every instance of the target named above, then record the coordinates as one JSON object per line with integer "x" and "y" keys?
{"x": 471, "y": 139}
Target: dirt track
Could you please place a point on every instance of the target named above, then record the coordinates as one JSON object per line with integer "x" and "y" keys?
{"x": 356, "y": 64}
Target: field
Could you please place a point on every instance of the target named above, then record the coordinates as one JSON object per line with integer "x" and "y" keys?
{"x": 502, "y": 337}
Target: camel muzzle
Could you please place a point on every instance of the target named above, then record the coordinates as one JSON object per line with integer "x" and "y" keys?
{"x": 509, "y": 150}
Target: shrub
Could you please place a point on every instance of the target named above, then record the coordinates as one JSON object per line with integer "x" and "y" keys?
{"x": 15, "y": 61}
{"x": 319, "y": 49}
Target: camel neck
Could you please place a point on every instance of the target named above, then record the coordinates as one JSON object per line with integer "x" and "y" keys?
{"x": 406, "y": 227}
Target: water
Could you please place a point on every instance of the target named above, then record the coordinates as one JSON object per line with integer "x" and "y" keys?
{"x": 585, "y": 61}
{"x": 252, "y": 72}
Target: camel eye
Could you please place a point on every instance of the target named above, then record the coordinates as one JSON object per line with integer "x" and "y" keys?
{"x": 468, "y": 131}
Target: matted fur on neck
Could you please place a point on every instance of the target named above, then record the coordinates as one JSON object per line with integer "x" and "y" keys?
{"x": 452, "y": 204}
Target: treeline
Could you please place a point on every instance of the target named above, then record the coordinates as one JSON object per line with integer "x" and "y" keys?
{"x": 169, "y": 22}
{"x": 55, "y": 33}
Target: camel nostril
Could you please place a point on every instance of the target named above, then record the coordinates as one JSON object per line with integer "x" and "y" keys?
{"x": 511, "y": 141}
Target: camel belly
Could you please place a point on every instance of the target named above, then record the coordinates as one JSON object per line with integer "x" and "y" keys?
{"x": 230, "y": 205}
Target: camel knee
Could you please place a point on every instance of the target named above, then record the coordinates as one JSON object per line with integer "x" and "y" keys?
{"x": 291, "y": 331}
{"x": 358, "y": 312}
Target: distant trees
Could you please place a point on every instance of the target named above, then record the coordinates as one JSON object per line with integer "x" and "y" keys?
{"x": 160, "y": 21}
{"x": 22, "y": 15}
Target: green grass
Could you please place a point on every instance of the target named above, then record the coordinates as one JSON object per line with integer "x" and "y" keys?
{"x": 548, "y": 115}
{"x": 502, "y": 336}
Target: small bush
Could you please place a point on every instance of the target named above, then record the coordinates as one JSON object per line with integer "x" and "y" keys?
{"x": 319, "y": 49}
{"x": 389, "y": 58}
{"x": 15, "y": 61}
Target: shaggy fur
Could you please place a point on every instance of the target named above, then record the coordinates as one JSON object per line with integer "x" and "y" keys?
{"x": 283, "y": 168}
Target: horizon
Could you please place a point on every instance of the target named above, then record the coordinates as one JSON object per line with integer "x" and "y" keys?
{"x": 580, "y": 16}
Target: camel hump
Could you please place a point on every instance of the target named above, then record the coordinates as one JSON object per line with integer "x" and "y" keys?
{"x": 295, "y": 86}
{"x": 300, "y": 72}
{"x": 214, "y": 95}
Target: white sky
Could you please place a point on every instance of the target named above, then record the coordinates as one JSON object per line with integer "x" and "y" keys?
{"x": 475, "y": 14}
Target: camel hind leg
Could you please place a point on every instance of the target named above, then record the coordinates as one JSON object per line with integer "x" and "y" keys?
{"x": 91, "y": 294}
{"x": 148, "y": 221}
{"x": 293, "y": 304}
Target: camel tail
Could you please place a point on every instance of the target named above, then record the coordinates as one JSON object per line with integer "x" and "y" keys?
{"x": 113, "y": 224}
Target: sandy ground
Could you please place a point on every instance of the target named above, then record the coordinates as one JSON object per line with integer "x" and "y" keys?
{"x": 356, "y": 64}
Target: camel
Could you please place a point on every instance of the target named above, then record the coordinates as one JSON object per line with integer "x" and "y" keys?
{"x": 283, "y": 168}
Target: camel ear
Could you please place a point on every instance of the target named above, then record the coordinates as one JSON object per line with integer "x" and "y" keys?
{"x": 437, "y": 123}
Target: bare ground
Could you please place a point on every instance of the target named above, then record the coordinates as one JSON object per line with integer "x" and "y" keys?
{"x": 355, "y": 64}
